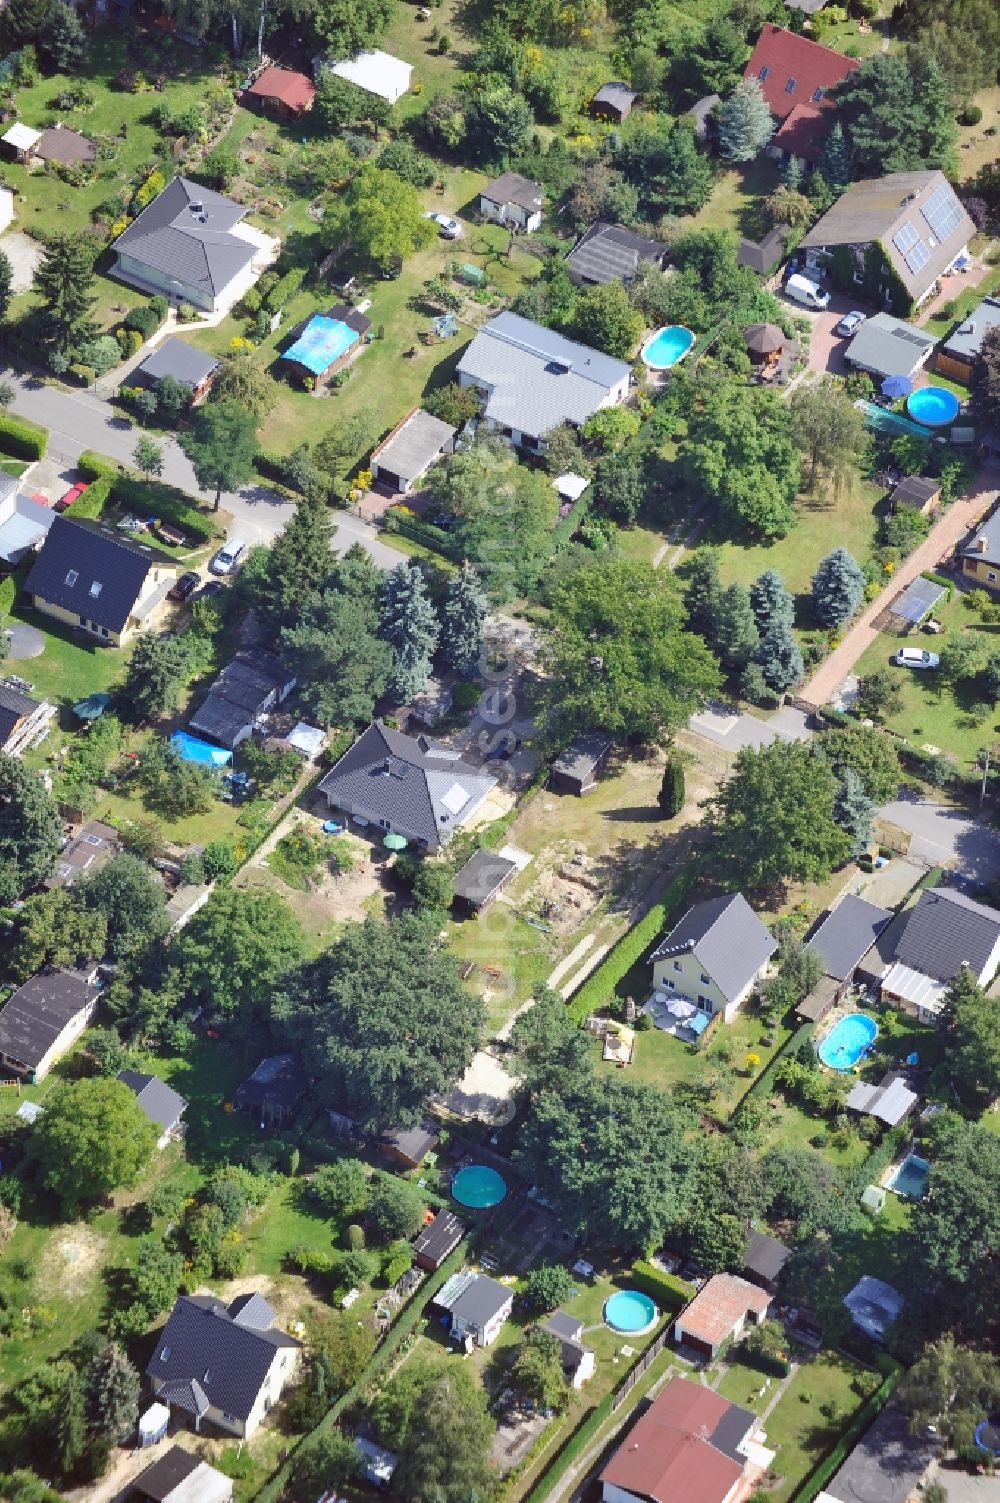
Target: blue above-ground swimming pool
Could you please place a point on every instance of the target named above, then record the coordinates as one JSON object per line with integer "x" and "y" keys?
{"x": 933, "y": 406}
{"x": 847, "y": 1041}
{"x": 910, "y": 1177}
{"x": 630, "y": 1312}
{"x": 667, "y": 346}
{"x": 478, "y": 1187}
{"x": 987, "y": 1435}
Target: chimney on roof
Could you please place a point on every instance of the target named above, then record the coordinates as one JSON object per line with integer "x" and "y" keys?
{"x": 981, "y": 544}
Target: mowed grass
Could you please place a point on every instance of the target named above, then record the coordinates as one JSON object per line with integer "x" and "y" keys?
{"x": 797, "y": 1428}
{"x": 736, "y": 200}
{"x": 69, "y": 668}
{"x": 941, "y": 325}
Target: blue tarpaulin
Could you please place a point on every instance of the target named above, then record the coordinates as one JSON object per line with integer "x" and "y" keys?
{"x": 193, "y": 750}
{"x": 322, "y": 341}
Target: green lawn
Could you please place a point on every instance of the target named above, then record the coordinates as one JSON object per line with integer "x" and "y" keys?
{"x": 69, "y": 668}
{"x": 500, "y": 939}
{"x": 798, "y": 1429}
{"x": 940, "y": 325}
{"x": 736, "y": 200}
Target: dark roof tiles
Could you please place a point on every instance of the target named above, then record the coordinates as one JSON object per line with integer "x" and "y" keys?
{"x": 186, "y": 234}
{"x": 206, "y": 1358}
{"x": 92, "y": 571}
{"x": 726, "y": 937}
{"x": 947, "y": 930}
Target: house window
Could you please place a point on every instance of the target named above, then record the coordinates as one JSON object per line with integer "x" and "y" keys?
{"x": 96, "y": 588}
{"x": 705, "y": 1002}
{"x": 72, "y": 576}
{"x": 991, "y": 574}
{"x": 104, "y": 631}
{"x": 790, "y": 86}
{"x": 677, "y": 965}
{"x": 671, "y": 985}
{"x": 764, "y": 72}
{"x": 705, "y": 980}
{"x": 818, "y": 95}
{"x": 385, "y": 824}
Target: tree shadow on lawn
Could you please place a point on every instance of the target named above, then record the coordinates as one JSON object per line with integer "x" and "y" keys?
{"x": 633, "y": 869}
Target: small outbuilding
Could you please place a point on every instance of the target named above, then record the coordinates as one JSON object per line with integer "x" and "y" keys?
{"x": 885, "y": 346}
{"x": 719, "y": 1312}
{"x": 957, "y": 357}
{"x": 377, "y": 73}
{"x": 513, "y": 200}
{"x": 578, "y": 1360}
{"x": 274, "y": 1089}
{"x": 610, "y": 253}
{"x": 22, "y": 720}
{"x": 576, "y": 769}
{"x": 477, "y": 1305}
{"x": 161, "y": 1103}
{"x": 377, "y": 1464}
{"x": 180, "y": 1477}
{"x": 764, "y": 343}
{"x": 482, "y": 879}
{"x": 410, "y": 1145}
{"x": 919, "y": 493}
{"x": 615, "y": 101}
{"x": 845, "y": 939}
{"x": 60, "y": 144}
{"x": 43, "y": 1019}
{"x": 282, "y": 92}
{"x": 890, "y": 1102}
{"x": 438, "y": 1240}
{"x": 764, "y": 1259}
{"x": 182, "y": 362}
{"x": 981, "y": 555}
{"x": 84, "y": 853}
{"x": 766, "y": 255}
{"x": 20, "y": 141}
{"x": 915, "y": 603}
{"x": 325, "y": 343}
{"x": 410, "y": 449}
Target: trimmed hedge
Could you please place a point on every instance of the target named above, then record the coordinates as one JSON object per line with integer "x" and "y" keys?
{"x": 285, "y": 289}
{"x": 150, "y": 498}
{"x": 564, "y": 529}
{"x": 763, "y": 1081}
{"x": 575, "y": 1445}
{"x": 942, "y": 580}
{"x": 91, "y": 504}
{"x": 669, "y": 1292}
{"x": 817, "y": 1479}
{"x": 22, "y": 438}
{"x": 598, "y": 988}
{"x": 91, "y": 465}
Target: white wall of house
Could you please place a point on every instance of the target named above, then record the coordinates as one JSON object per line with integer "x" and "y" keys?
{"x": 684, "y": 975}
{"x": 586, "y": 1369}
{"x": 510, "y": 214}
{"x": 58, "y": 1047}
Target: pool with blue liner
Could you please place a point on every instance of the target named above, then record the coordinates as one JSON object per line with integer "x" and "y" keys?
{"x": 667, "y": 346}
{"x": 630, "y": 1312}
{"x": 933, "y": 406}
{"x": 848, "y": 1041}
{"x": 910, "y": 1177}
{"x": 479, "y": 1187}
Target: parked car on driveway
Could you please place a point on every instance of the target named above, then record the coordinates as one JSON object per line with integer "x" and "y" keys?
{"x": 185, "y": 586}
{"x": 851, "y": 322}
{"x": 228, "y": 556}
{"x": 448, "y": 228}
{"x": 916, "y": 657}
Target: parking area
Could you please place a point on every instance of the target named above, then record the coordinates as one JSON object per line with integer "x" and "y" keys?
{"x": 826, "y": 348}
{"x": 24, "y": 255}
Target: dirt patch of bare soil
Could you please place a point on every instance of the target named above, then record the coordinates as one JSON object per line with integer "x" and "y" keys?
{"x": 71, "y": 1261}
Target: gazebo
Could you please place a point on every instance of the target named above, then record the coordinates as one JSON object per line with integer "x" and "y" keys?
{"x": 764, "y": 343}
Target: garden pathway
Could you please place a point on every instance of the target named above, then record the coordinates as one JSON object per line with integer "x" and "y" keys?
{"x": 962, "y": 515}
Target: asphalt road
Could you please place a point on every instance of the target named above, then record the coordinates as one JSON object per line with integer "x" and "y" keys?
{"x": 79, "y": 420}
{"x": 941, "y": 834}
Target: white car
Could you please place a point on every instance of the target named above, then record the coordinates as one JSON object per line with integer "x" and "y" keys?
{"x": 228, "y": 556}
{"x": 448, "y": 228}
{"x": 916, "y": 657}
{"x": 851, "y": 322}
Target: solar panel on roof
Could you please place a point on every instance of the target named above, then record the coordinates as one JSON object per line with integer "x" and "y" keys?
{"x": 905, "y": 238}
{"x": 918, "y": 257}
{"x": 942, "y": 211}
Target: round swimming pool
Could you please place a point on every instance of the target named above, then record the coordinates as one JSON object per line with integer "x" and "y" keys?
{"x": 668, "y": 345}
{"x": 933, "y": 406}
{"x": 631, "y": 1312}
{"x": 847, "y": 1041}
{"x": 987, "y": 1435}
{"x": 478, "y": 1187}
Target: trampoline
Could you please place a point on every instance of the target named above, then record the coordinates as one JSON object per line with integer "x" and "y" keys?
{"x": 479, "y": 1187}
{"x": 630, "y": 1312}
{"x": 987, "y": 1435}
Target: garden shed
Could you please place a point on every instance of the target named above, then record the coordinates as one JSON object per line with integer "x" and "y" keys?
{"x": 915, "y": 603}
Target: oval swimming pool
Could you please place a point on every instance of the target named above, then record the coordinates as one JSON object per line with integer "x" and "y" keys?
{"x": 631, "y": 1312}
{"x": 847, "y": 1041}
{"x": 478, "y": 1187}
{"x": 933, "y": 406}
{"x": 667, "y": 346}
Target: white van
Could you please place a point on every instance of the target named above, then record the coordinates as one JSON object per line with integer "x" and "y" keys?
{"x": 801, "y": 290}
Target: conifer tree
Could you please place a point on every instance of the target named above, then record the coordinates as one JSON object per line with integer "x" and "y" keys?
{"x": 464, "y": 616}
{"x": 409, "y": 623}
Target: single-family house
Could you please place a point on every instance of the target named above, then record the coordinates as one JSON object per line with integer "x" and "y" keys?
{"x": 690, "y": 1445}
{"x": 913, "y": 220}
{"x": 282, "y": 92}
{"x": 274, "y": 1089}
{"x": 944, "y": 931}
{"x": 24, "y": 521}
{"x": 44, "y": 1018}
{"x": 889, "y": 1462}
{"x": 886, "y": 346}
{"x": 719, "y": 1312}
{"x": 183, "y": 363}
{"x": 613, "y": 101}
{"x": 578, "y": 1360}
{"x": 481, "y": 880}
{"x": 918, "y": 492}
{"x": 438, "y": 1240}
{"x": 579, "y": 765}
{"x": 179, "y": 1477}
{"x": 249, "y": 685}
{"x": 531, "y": 379}
{"x": 957, "y": 356}
{"x": 324, "y": 343}
{"x": 409, "y": 785}
{"x": 60, "y": 144}
{"x": 766, "y": 255}
{"x": 377, "y": 1464}
{"x": 161, "y": 1103}
{"x": 513, "y": 200}
{"x": 845, "y": 937}
{"x": 611, "y": 253}
{"x": 416, "y": 442}
{"x": 714, "y": 955}
{"x": 797, "y": 77}
{"x": 190, "y": 243}
{"x": 890, "y": 1102}
{"x": 409, "y": 1146}
{"x": 222, "y": 1364}
{"x": 22, "y": 720}
{"x": 376, "y": 72}
{"x": 477, "y": 1305}
{"x": 980, "y": 556}
{"x": 764, "y": 1259}
{"x": 94, "y": 577}
{"x": 84, "y": 853}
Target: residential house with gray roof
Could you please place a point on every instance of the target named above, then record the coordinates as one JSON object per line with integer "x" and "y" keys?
{"x": 191, "y": 245}
{"x": 890, "y": 1462}
{"x": 409, "y": 785}
{"x": 714, "y": 955}
{"x": 91, "y": 576}
{"x": 944, "y": 932}
{"x": 886, "y": 346}
{"x": 44, "y": 1018}
{"x": 846, "y": 935}
{"x": 477, "y": 1304}
{"x": 163, "y": 1106}
{"x": 980, "y": 556}
{"x": 531, "y": 379}
{"x": 222, "y": 1365}
{"x": 611, "y": 253}
{"x": 957, "y": 357}
{"x": 916, "y": 219}
{"x": 513, "y": 200}
{"x": 182, "y": 362}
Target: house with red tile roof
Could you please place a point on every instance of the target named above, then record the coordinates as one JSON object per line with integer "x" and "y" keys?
{"x": 796, "y": 77}
{"x": 719, "y": 1311}
{"x": 283, "y": 91}
{"x": 690, "y": 1446}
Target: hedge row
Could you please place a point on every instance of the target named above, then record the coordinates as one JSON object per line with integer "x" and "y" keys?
{"x": 150, "y": 498}
{"x": 575, "y": 1445}
{"x": 942, "y": 580}
{"x": 91, "y": 504}
{"x": 817, "y": 1479}
{"x": 763, "y": 1082}
{"x": 670, "y": 1292}
{"x": 91, "y": 465}
{"x": 22, "y": 438}
{"x": 285, "y": 289}
{"x": 598, "y": 988}
{"x": 564, "y": 529}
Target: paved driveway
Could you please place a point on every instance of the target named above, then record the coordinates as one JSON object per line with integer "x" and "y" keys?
{"x": 826, "y": 349}
{"x": 941, "y": 834}
{"x": 726, "y": 726}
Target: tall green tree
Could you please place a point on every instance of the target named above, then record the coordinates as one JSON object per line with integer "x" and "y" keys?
{"x": 950, "y": 1387}
{"x": 66, "y": 40}
{"x": 221, "y": 446}
{"x": 773, "y": 820}
{"x": 671, "y": 795}
{"x": 235, "y": 950}
{"x": 735, "y": 637}
{"x": 838, "y": 588}
{"x": 739, "y": 452}
{"x": 463, "y": 621}
{"x": 348, "y": 27}
{"x": 897, "y": 115}
{"x": 55, "y": 928}
{"x": 538, "y": 1370}
{"x": 835, "y": 160}
{"x": 92, "y": 1138}
{"x": 605, "y": 319}
{"x": 299, "y": 564}
{"x": 6, "y": 293}
{"x": 617, "y": 654}
{"x": 379, "y": 216}
{"x": 64, "y": 282}
{"x": 546, "y": 1048}
{"x": 702, "y": 591}
{"x": 986, "y": 380}
{"x": 409, "y": 623}
{"x": 385, "y": 1018}
{"x": 156, "y": 674}
{"x": 30, "y": 829}
{"x": 830, "y": 431}
{"x": 855, "y": 813}
{"x": 779, "y": 657}
{"x": 126, "y": 894}
{"x": 112, "y": 1395}
{"x": 341, "y": 662}
{"x": 745, "y": 123}
{"x": 669, "y": 169}
{"x": 866, "y": 752}
{"x": 436, "y": 1417}
{"x": 244, "y": 381}
{"x": 772, "y": 602}
{"x": 975, "y": 1055}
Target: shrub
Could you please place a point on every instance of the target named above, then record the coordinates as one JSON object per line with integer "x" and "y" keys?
{"x": 285, "y": 289}
{"x": 143, "y": 318}
{"x": 22, "y": 438}
{"x": 669, "y": 1292}
{"x": 971, "y": 115}
{"x": 85, "y": 374}
{"x": 250, "y": 302}
{"x": 355, "y": 1237}
{"x": 91, "y": 465}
